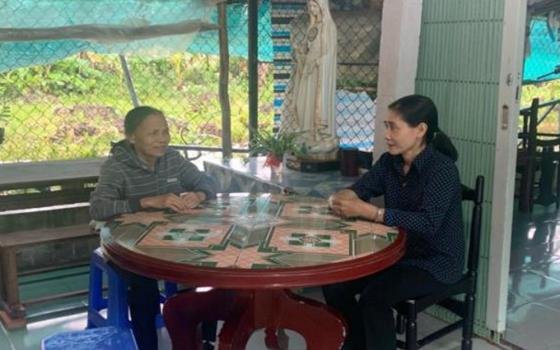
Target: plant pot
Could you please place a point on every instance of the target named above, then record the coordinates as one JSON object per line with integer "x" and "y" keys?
{"x": 273, "y": 161}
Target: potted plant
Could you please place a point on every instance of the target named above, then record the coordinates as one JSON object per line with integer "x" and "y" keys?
{"x": 274, "y": 145}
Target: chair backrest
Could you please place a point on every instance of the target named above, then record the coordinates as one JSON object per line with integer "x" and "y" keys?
{"x": 530, "y": 126}
{"x": 476, "y": 196}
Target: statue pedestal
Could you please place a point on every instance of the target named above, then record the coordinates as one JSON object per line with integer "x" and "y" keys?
{"x": 312, "y": 165}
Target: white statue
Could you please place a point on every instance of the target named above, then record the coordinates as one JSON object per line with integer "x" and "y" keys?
{"x": 309, "y": 105}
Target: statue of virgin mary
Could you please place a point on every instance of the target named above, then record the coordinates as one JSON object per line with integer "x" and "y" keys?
{"x": 309, "y": 105}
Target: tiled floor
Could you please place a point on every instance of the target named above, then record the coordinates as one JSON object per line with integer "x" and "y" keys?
{"x": 534, "y": 291}
{"x": 41, "y": 326}
{"x": 533, "y": 305}
{"x": 31, "y": 337}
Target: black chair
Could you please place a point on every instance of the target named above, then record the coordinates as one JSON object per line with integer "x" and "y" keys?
{"x": 409, "y": 309}
{"x": 528, "y": 157}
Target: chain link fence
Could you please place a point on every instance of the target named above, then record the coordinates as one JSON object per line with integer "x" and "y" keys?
{"x": 542, "y": 42}
{"x": 66, "y": 99}
{"x": 542, "y": 50}
{"x": 541, "y": 73}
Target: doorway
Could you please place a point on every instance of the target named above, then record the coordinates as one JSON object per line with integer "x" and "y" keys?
{"x": 533, "y": 309}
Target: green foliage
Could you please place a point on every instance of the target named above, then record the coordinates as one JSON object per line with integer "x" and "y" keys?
{"x": 277, "y": 144}
{"x": 75, "y": 107}
{"x": 547, "y": 91}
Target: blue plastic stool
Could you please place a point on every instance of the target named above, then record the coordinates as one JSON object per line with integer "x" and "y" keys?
{"x": 104, "y": 338}
{"x": 116, "y": 303}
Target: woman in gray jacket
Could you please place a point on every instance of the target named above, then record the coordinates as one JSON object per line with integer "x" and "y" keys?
{"x": 144, "y": 173}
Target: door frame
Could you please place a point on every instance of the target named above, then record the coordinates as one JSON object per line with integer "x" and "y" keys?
{"x": 503, "y": 184}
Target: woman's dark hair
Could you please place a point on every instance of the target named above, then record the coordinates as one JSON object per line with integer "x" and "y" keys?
{"x": 135, "y": 116}
{"x": 416, "y": 109}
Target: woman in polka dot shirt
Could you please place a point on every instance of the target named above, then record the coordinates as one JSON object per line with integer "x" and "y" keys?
{"x": 422, "y": 191}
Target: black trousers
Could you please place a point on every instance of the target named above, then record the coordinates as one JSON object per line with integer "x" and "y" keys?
{"x": 144, "y": 304}
{"x": 370, "y": 316}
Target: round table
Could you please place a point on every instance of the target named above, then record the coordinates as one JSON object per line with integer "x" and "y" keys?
{"x": 260, "y": 246}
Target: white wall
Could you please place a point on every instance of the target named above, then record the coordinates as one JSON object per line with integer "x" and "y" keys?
{"x": 398, "y": 57}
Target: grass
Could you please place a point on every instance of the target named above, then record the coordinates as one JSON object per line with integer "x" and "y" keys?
{"x": 74, "y": 108}
{"x": 547, "y": 91}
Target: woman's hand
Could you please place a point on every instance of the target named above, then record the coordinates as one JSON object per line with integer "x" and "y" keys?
{"x": 341, "y": 203}
{"x": 192, "y": 199}
{"x": 347, "y": 208}
{"x": 187, "y": 200}
{"x": 164, "y": 201}
{"x": 347, "y": 204}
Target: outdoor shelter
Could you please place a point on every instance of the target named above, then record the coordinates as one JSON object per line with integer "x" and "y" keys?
{"x": 467, "y": 55}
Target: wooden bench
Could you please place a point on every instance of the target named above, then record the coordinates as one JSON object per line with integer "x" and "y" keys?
{"x": 13, "y": 311}
{"x": 40, "y": 184}
{"x": 42, "y": 204}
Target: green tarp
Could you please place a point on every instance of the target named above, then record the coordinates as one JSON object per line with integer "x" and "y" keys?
{"x": 30, "y": 14}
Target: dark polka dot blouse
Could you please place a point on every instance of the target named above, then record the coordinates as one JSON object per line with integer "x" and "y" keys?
{"x": 426, "y": 202}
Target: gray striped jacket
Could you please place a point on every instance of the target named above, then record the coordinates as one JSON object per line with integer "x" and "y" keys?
{"x": 125, "y": 179}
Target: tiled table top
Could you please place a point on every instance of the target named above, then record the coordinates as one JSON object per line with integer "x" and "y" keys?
{"x": 252, "y": 232}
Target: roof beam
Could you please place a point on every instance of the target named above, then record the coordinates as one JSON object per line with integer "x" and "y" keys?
{"x": 105, "y": 33}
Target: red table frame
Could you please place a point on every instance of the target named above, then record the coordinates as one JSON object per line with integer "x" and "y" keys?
{"x": 263, "y": 298}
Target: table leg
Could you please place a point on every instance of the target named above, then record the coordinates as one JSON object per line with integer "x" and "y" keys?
{"x": 546, "y": 195}
{"x": 526, "y": 187}
{"x": 184, "y": 312}
{"x": 321, "y": 327}
{"x": 276, "y": 339}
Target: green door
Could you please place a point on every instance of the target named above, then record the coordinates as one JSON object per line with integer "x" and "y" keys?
{"x": 469, "y": 63}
